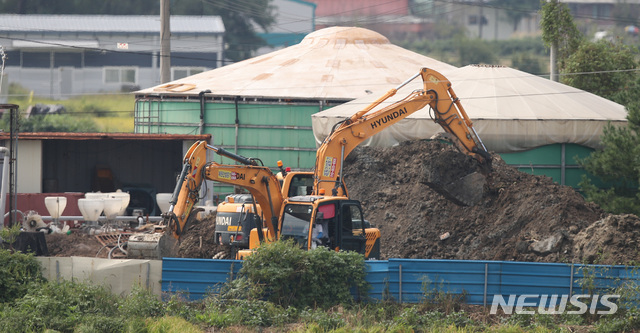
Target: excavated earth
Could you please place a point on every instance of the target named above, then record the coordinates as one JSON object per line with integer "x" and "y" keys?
{"x": 520, "y": 217}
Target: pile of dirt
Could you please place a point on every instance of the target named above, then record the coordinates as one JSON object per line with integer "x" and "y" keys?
{"x": 521, "y": 217}
{"x": 198, "y": 241}
{"x": 77, "y": 244}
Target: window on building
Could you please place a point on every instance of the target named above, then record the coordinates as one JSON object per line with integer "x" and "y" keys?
{"x": 70, "y": 59}
{"x": 181, "y": 72}
{"x": 602, "y": 11}
{"x": 36, "y": 59}
{"x": 120, "y": 75}
{"x": 473, "y": 20}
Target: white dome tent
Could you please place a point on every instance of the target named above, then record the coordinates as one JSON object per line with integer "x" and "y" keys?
{"x": 510, "y": 109}
{"x": 335, "y": 63}
{"x": 535, "y": 124}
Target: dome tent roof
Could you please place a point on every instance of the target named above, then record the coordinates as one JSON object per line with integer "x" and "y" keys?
{"x": 511, "y": 111}
{"x": 335, "y": 62}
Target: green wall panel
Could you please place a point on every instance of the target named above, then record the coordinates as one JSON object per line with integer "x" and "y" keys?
{"x": 572, "y": 151}
{"x": 276, "y": 115}
{"x": 553, "y": 173}
{"x": 550, "y": 154}
{"x": 219, "y": 113}
{"x": 180, "y": 112}
{"x": 268, "y": 137}
{"x": 574, "y": 176}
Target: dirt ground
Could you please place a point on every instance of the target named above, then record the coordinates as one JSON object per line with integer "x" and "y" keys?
{"x": 520, "y": 217}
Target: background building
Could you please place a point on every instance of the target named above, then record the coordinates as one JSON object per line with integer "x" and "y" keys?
{"x": 64, "y": 55}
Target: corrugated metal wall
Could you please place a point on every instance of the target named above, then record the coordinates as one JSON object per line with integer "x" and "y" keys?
{"x": 407, "y": 280}
{"x": 196, "y": 277}
{"x": 269, "y": 131}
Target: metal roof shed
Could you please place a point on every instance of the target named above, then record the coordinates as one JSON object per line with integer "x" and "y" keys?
{"x": 68, "y": 162}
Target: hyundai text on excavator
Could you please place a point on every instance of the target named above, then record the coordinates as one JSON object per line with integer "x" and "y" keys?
{"x": 290, "y": 215}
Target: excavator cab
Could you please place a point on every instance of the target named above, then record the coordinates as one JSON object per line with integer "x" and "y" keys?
{"x": 342, "y": 221}
{"x": 235, "y": 218}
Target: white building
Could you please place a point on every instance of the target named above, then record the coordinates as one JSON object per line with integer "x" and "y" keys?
{"x": 65, "y": 55}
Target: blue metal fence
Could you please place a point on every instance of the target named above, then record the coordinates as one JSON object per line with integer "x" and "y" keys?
{"x": 409, "y": 280}
{"x": 196, "y": 277}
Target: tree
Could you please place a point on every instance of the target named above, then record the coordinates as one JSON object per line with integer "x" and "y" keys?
{"x": 475, "y": 51}
{"x": 618, "y": 165}
{"x": 603, "y": 68}
{"x": 559, "y": 32}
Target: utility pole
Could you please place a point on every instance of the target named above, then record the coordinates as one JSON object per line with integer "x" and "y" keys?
{"x": 165, "y": 42}
{"x": 553, "y": 61}
{"x": 553, "y": 52}
{"x": 480, "y": 16}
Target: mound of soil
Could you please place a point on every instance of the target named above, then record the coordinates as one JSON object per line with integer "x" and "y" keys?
{"x": 520, "y": 217}
{"x": 77, "y": 244}
{"x": 198, "y": 241}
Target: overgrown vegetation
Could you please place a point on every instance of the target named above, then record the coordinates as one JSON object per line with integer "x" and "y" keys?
{"x": 258, "y": 301}
{"x": 18, "y": 273}
{"x": 283, "y": 274}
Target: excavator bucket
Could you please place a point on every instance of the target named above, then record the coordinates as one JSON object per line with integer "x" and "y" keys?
{"x": 151, "y": 246}
{"x": 456, "y": 176}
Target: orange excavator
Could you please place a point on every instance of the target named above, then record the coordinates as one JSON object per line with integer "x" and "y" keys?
{"x": 326, "y": 206}
{"x": 258, "y": 180}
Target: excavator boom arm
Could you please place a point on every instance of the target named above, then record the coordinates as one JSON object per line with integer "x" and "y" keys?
{"x": 436, "y": 92}
{"x": 258, "y": 180}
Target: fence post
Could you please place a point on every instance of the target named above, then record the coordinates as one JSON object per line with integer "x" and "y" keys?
{"x": 58, "y": 271}
{"x": 486, "y": 273}
{"x": 400, "y": 283}
{"x": 571, "y": 282}
{"x": 148, "y": 274}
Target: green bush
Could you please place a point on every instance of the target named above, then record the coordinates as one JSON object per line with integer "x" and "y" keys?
{"x": 475, "y": 51}
{"x": 18, "y": 272}
{"x": 255, "y": 313}
{"x": 141, "y": 303}
{"x": 286, "y": 275}
{"x": 526, "y": 63}
{"x": 324, "y": 320}
{"x": 171, "y": 325}
{"x": 59, "y": 306}
{"x": 102, "y": 324}
{"x": 179, "y": 306}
